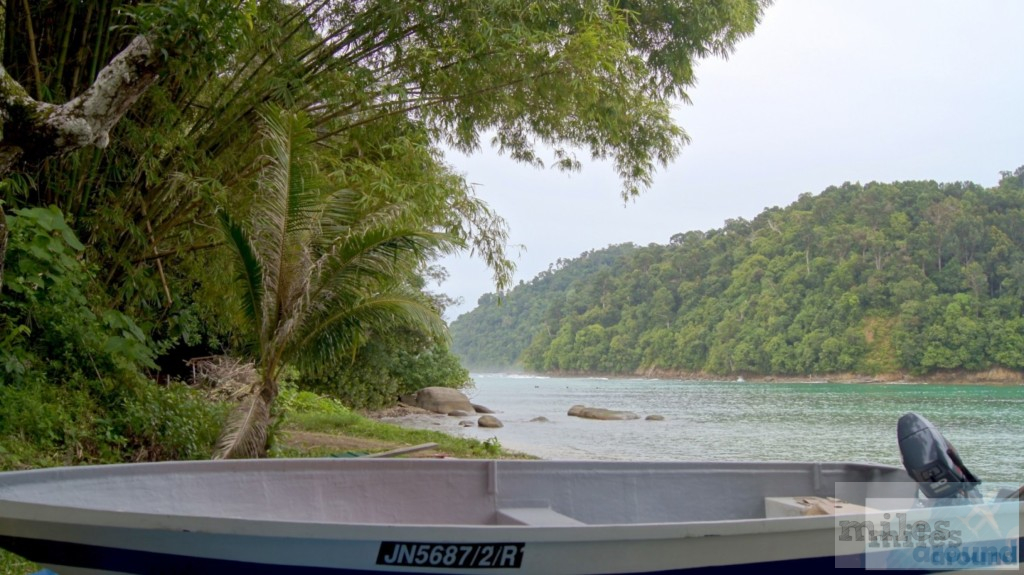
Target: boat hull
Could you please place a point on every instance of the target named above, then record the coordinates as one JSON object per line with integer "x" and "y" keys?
{"x": 471, "y": 517}
{"x": 565, "y": 552}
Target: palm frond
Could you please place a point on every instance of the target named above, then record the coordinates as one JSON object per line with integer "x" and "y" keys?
{"x": 248, "y": 269}
{"x": 287, "y": 217}
{"x": 246, "y": 431}
{"x": 383, "y": 243}
{"x": 341, "y": 327}
{"x": 386, "y": 252}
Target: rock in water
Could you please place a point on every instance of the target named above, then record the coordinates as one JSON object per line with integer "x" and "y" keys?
{"x": 655, "y": 417}
{"x": 481, "y": 409}
{"x": 607, "y": 414}
{"x": 489, "y": 421}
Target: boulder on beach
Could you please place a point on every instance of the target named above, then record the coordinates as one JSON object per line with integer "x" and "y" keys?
{"x": 601, "y": 413}
{"x": 481, "y": 409}
{"x": 457, "y": 413}
{"x": 440, "y": 400}
{"x": 489, "y": 421}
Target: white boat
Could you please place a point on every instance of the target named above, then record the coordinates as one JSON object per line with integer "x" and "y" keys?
{"x": 432, "y": 516}
{"x": 360, "y": 516}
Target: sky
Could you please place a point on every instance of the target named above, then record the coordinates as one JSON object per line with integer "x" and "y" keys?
{"x": 824, "y": 92}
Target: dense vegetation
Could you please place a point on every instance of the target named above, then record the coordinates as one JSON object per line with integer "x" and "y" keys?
{"x": 913, "y": 277}
{"x": 277, "y": 191}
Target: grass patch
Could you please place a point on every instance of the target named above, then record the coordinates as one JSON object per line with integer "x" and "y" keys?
{"x": 11, "y": 564}
{"x": 307, "y": 411}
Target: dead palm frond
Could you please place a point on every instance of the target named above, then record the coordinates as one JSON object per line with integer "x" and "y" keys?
{"x": 224, "y": 378}
{"x": 247, "y": 430}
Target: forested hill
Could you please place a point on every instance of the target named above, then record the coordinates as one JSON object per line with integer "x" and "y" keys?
{"x": 913, "y": 277}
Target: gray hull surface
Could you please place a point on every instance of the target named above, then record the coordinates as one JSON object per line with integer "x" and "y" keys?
{"x": 431, "y": 516}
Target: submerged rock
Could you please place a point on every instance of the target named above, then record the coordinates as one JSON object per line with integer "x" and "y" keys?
{"x": 541, "y": 419}
{"x": 655, "y": 417}
{"x": 601, "y": 413}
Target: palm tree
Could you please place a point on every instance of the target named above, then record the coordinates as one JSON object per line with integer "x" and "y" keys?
{"x": 319, "y": 269}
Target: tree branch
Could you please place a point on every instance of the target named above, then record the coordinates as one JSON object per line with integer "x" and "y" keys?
{"x": 34, "y": 130}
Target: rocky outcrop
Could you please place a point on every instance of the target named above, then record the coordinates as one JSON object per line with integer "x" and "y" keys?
{"x": 601, "y": 413}
{"x": 440, "y": 400}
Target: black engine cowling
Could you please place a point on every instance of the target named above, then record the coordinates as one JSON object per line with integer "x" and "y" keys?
{"x": 932, "y": 461}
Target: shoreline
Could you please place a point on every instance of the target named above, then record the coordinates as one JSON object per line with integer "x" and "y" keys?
{"x": 992, "y": 377}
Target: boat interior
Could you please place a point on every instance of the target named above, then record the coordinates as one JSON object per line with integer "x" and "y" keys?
{"x": 460, "y": 492}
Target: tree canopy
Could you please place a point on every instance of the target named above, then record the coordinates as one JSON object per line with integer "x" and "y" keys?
{"x": 378, "y": 79}
{"x": 913, "y": 277}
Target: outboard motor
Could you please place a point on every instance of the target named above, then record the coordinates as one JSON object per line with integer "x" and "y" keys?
{"x": 934, "y": 463}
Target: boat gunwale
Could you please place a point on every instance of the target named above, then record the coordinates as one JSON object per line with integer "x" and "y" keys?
{"x": 12, "y": 478}
{"x": 58, "y": 515}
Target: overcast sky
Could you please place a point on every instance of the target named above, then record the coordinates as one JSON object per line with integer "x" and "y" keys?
{"x": 824, "y": 92}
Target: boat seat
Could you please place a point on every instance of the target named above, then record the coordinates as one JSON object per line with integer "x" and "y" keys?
{"x": 775, "y": 507}
{"x": 535, "y": 516}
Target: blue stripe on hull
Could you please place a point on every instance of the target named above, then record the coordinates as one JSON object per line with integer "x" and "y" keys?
{"x": 148, "y": 562}
{"x": 151, "y": 563}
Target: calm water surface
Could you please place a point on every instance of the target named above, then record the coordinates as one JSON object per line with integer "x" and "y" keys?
{"x": 747, "y": 421}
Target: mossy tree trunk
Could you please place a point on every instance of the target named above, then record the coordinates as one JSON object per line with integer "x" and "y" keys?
{"x": 34, "y": 130}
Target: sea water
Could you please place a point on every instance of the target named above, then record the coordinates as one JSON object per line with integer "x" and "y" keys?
{"x": 734, "y": 420}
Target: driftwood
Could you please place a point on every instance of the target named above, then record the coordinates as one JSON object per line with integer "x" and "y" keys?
{"x": 402, "y": 450}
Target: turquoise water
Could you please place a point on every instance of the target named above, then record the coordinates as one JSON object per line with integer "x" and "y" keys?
{"x": 749, "y": 421}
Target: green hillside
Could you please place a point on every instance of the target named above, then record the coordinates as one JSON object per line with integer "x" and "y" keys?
{"x": 915, "y": 277}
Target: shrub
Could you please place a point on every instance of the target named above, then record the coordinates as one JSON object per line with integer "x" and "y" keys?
{"x": 73, "y": 387}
